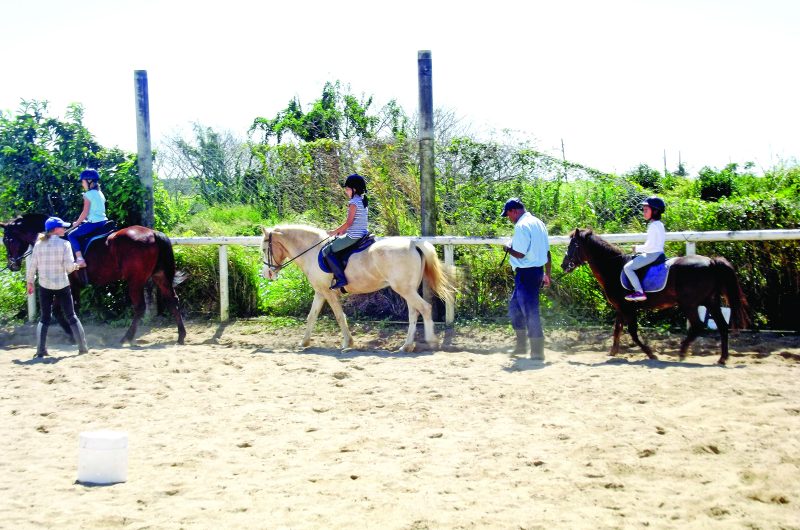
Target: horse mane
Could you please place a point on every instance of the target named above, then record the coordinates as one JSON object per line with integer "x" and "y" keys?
{"x": 607, "y": 249}
{"x": 302, "y": 228}
{"x": 25, "y": 221}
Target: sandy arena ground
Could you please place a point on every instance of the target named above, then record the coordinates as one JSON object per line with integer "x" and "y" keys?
{"x": 240, "y": 428}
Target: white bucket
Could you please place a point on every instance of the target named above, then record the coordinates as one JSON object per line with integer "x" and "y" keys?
{"x": 103, "y": 457}
{"x": 726, "y": 313}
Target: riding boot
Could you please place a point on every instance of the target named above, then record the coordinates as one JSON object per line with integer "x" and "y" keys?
{"x": 41, "y": 340}
{"x": 522, "y": 343}
{"x": 77, "y": 331}
{"x": 339, "y": 279}
{"x": 537, "y": 348}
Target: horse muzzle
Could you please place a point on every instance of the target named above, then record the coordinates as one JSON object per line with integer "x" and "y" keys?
{"x": 270, "y": 273}
{"x": 568, "y": 266}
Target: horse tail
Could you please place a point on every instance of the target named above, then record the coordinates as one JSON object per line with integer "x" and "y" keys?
{"x": 166, "y": 258}
{"x": 732, "y": 290}
{"x": 439, "y": 278}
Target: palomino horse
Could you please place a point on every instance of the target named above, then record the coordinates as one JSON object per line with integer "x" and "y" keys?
{"x": 134, "y": 254}
{"x": 693, "y": 281}
{"x": 397, "y": 262}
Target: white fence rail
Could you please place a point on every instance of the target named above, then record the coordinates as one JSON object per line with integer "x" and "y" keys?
{"x": 449, "y": 243}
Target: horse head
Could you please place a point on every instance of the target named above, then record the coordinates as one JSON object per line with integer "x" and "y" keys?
{"x": 18, "y": 236}
{"x": 576, "y": 255}
{"x": 273, "y": 253}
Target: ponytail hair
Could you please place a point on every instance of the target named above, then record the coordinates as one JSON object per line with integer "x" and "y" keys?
{"x": 364, "y": 199}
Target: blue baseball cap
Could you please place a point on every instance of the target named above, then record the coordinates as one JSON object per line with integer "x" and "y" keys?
{"x": 512, "y": 204}
{"x": 54, "y": 222}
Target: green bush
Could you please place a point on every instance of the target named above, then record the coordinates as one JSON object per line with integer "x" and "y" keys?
{"x": 12, "y": 294}
{"x": 199, "y": 293}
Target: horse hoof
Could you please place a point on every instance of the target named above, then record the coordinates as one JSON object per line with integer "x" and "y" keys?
{"x": 406, "y": 348}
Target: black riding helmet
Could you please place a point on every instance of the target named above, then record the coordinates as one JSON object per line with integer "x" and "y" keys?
{"x": 656, "y": 203}
{"x": 357, "y": 183}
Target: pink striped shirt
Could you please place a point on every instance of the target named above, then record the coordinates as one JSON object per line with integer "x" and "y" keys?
{"x": 52, "y": 259}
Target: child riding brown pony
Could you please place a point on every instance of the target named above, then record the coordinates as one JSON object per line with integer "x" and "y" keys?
{"x": 692, "y": 281}
{"x": 134, "y": 254}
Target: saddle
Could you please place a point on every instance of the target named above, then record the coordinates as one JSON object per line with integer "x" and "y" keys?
{"x": 653, "y": 277}
{"x": 361, "y": 245}
{"x": 100, "y": 233}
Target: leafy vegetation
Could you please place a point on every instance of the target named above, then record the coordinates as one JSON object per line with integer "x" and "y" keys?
{"x": 290, "y": 171}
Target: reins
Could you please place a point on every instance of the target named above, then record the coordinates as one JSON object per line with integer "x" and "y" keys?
{"x": 20, "y": 258}
{"x": 274, "y": 266}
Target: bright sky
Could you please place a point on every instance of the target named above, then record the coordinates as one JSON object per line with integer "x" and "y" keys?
{"x": 620, "y": 81}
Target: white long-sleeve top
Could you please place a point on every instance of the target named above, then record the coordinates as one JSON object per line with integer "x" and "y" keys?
{"x": 656, "y": 237}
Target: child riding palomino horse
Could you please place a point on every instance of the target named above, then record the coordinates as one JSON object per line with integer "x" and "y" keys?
{"x": 396, "y": 262}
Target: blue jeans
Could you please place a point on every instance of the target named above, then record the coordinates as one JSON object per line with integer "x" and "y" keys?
{"x": 523, "y": 308}
{"x": 83, "y": 229}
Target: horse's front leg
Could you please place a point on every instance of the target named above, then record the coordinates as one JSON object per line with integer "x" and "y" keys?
{"x": 633, "y": 328}
{"x": 311, "y": 320}
{"x": 618, "y": 325}
{"x": 338, "y": 312}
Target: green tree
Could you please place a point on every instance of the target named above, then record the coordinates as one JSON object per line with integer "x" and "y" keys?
{"x": 646, "y": 177}
{"x": 42, "y": 156}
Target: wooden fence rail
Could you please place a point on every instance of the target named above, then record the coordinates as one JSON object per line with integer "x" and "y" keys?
{"x": 449, "y": 243}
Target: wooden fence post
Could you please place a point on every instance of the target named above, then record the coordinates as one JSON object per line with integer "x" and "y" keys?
{"x": 223, "y": 283}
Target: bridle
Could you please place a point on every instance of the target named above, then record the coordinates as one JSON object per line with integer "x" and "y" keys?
{"x": 575, "y": 260}
{"x": 275, "y": 267}
{"x": 18, "y": 259}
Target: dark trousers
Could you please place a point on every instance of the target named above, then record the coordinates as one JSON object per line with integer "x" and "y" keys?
{"x": 46, "y": 297}
{"x": 523, "y": 308}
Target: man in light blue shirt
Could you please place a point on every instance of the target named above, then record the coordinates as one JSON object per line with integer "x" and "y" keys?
{"x": 531, "y": 262}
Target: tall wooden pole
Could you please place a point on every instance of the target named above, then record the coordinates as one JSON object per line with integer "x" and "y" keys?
{"x": 143, "y": 144}
{"x": 426, "y": 178}
{"x": 427, "y": 185}
{"x": 145, "y": 163}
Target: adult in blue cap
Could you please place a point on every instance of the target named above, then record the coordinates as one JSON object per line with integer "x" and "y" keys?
{"x": 51, "y": 259}
{"x": 530, "y": 259}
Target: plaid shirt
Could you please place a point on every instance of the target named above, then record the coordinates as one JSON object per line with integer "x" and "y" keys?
{"x": 52, "y": 258}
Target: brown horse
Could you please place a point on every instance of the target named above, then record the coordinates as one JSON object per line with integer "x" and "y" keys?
{"x": 692, "y": 281}
{"x": 134, "y": 254}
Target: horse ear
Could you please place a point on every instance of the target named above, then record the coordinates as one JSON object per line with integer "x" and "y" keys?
{"x": 264, "y": 230}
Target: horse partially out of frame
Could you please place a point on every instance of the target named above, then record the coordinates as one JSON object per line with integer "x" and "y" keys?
{"x": 134, "y": 254}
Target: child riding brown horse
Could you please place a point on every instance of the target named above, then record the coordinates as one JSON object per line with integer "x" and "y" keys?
{"x": 134, "y": 254}
{"x": 692, "y": 281}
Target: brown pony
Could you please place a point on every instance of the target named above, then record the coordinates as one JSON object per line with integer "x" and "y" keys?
{"x": 134, "y": 254}
{"x": 693, "y": 281}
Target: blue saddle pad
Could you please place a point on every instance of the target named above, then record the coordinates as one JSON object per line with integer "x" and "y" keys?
{"x": 363, "y": 244}
{"x": 94, "y": 239}
{"x": 654, "y": 279}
